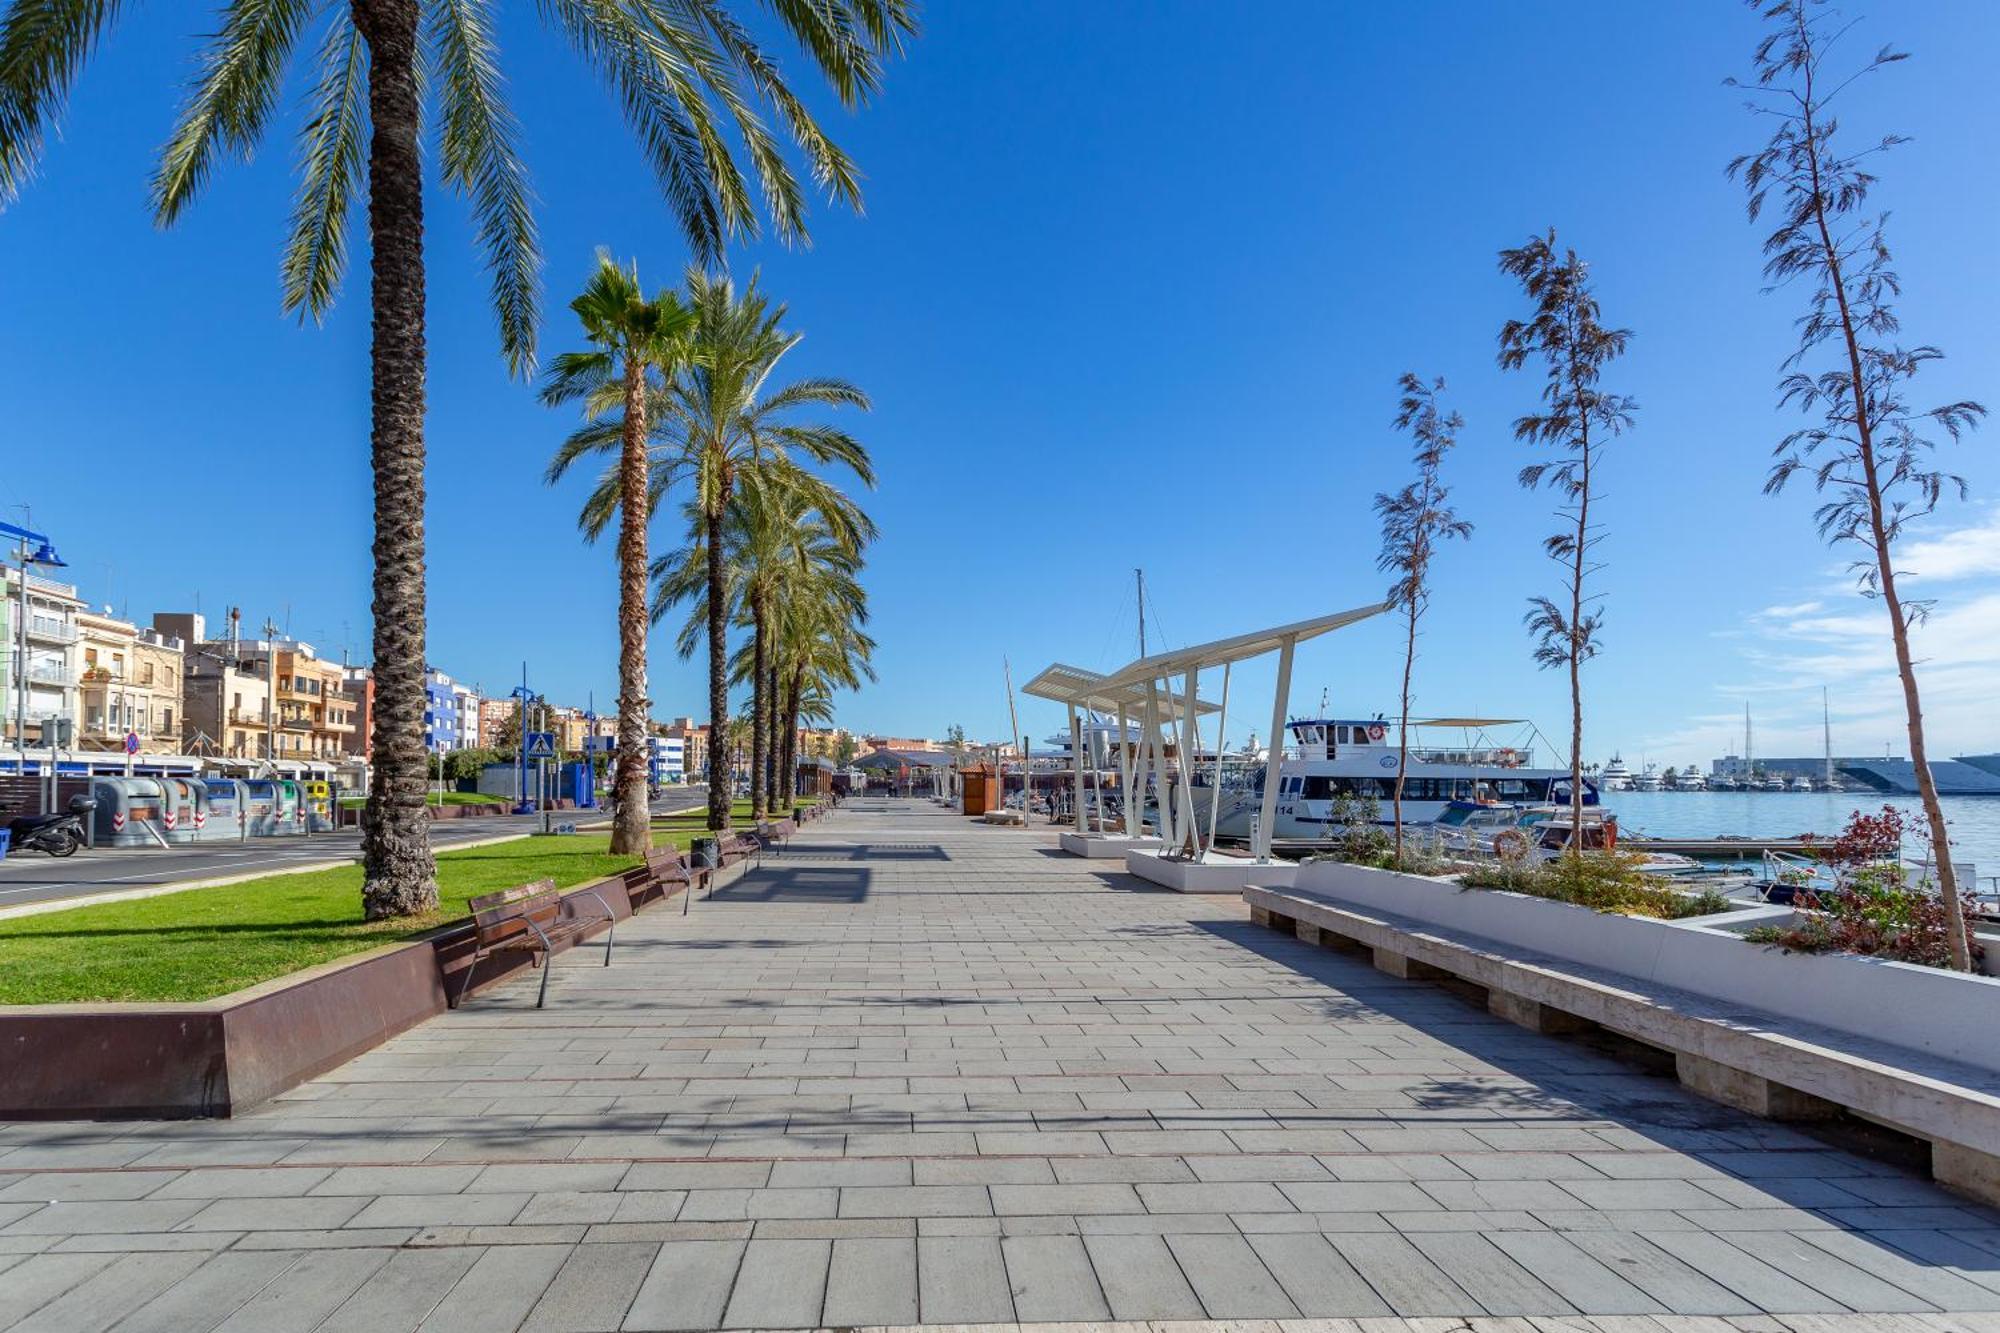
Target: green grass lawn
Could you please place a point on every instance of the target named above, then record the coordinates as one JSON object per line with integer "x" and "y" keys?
{"x": 202, "y": 943}
{"x": 435, "y": 797}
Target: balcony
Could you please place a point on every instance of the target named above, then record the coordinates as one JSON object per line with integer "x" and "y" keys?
{"x": 247, "y": 717}
{"x": 58, "y": 677}
{"x": 44, "y": 630}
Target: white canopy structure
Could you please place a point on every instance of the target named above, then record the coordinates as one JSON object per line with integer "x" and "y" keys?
{"x": 1163, "y": 689}
{"x": 1077, "y": 688}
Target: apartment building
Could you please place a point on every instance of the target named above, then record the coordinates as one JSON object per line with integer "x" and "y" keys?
{"x": 129, "y": 683}
{"x": 263, "y": 698}
{"x": 357, "y": 687}
{"x": 41, "y": 656}
{"x": 496, "y": 722}
{"x": 226, "y": 699}
{"x": 445, "y": 724}
{"x": 693, "y": 737}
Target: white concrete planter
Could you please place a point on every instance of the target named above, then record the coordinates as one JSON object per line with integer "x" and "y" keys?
{"x": 1212, "y": 874}
{"x": 1104, "y": 846}
{"x": 1948, "y": 1014}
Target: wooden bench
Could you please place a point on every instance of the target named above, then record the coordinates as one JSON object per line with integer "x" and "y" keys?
{"x": 531, "y": 918}
{"x": 740, "y": 847}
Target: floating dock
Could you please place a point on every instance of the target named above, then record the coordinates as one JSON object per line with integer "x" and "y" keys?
{"x": 1798, "y": 843}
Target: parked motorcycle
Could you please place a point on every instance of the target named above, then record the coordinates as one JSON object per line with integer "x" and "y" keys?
{"x": 58, "y": 835}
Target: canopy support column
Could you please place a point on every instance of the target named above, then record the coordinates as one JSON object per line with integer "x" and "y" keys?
{"x": 1076, "y": 764}
{"x": 1268, "y": 811}
{"x": 1190, "y": 759}
{"x": 1126, "y": 760}
{"x": 1221, "y": 734}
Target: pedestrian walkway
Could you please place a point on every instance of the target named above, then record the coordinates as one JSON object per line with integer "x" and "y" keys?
{"x": 916, "y": 1070}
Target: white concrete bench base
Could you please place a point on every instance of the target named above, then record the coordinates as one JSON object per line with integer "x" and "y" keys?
{"x": 1213, "y": 874}
{"x": 1772, "y": 1068}
{"x": 1012, "y": 818}
{"x": 1105, "y": 846}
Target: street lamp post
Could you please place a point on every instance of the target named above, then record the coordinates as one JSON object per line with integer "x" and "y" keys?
{"x": 521, "y": 695}
{"x": 45, "y": 555}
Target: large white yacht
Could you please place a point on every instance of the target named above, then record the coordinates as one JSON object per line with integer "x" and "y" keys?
{"x": 1345, "y": 759}
{"x": 1690, "y": 779}
{"x": 1615, "y": 776}
{"x": 1648, "y": 780}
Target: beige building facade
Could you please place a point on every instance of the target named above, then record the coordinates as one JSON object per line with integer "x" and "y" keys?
{"x": 130, "y": 682}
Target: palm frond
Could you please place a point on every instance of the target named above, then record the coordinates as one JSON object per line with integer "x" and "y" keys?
{"x": 241, "y": 74}
{"x": 481, "y": 160}
{"x": 330, "y": 170}
{"x": 43, "y": 43}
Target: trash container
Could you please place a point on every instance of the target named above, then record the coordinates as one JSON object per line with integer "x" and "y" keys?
{"x": 798, "y": 814}
{"x": 6, "y": 836}
{"x": 706, "y": 852}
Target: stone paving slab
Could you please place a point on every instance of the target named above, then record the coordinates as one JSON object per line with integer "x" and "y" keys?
{"x": 919, "y": 1071}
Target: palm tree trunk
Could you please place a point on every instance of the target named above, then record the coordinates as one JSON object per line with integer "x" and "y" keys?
{"x": 774, "y": 795}
{"x": 792, "y": 702}
{"x": 721, "y": 783}
{"x": 631, "y": 835}
{"x": 760, "y": 708}
{"x": 399, "y": 876}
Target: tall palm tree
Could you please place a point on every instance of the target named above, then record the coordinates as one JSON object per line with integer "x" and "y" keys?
{"x": 787, "y": 536}
{"x": 638, "y": 345}
{"x": 686, "y": 73}
{"x": 725, "y": 425}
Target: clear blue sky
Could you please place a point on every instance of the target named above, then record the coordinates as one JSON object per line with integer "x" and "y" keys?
{"x": 1139, "y": 276}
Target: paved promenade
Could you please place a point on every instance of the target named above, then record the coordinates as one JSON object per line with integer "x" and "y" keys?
{"x": 920, "y": 1071}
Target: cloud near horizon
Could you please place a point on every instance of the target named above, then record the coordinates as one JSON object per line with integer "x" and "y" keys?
{"x": 1836, "y": 638}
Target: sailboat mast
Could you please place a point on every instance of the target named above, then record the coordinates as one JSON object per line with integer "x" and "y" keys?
{"x": 1139, "y": 576}
{"x": 1749, "y": 760}
{"x": 1826, "y": 726}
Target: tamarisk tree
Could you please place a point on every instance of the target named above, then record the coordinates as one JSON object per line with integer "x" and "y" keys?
{"x": 1869, "y": 452}
{"x": 1414, "y": 520}
{"x": 1566, "y": 335}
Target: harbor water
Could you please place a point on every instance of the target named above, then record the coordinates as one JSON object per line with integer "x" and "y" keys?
{"x": 1974, "y": 820}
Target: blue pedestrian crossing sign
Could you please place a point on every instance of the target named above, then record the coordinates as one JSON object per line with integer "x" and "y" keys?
{"x": 541, "y": 745}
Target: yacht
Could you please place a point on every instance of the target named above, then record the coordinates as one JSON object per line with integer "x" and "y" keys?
{"x": 1690, "y": 779}
{"x": 1801, "y": 783}
{"x": 1342, "y": 759}
{"x": 1771, "y": 783}
{"x": 1649, "y": 780}
{"x": 1615, "y": 776}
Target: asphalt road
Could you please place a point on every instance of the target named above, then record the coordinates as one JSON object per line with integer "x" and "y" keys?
{"x": 36, "y": 877}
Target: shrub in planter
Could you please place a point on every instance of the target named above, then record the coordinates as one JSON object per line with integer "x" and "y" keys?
{"x": 1603, "y": 881}
{"x": 1872, "y": 907}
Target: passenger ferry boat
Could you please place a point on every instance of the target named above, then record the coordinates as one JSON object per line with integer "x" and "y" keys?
{"x": 1339, "y": 758}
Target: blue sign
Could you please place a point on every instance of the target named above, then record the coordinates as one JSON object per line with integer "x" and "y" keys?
{"x": 541, "y": 745}
{"x": 131, "y": 742}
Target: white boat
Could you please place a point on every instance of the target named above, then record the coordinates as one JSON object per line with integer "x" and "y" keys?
{"x": 1649, "y": 780}
{"x": 1690, "y": 779}
{"x": 1800, "y": 783}
{"x": 1549, "y": 836}
{"x": 1772, "y": 783}
{"x": 1615, "y": 776}
{"x": 1340, "y": 760}
{"x": 1722, "y": 782}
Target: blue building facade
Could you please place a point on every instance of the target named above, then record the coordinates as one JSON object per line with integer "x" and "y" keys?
{"x": 444, "y": 724}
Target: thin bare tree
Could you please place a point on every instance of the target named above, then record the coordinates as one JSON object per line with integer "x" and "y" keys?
{"x": 1565, "y": 333}
{"x": 1870, "y": 453}
{"x": 1414, "y": 520}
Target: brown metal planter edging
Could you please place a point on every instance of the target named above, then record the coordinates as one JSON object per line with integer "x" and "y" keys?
{"x": 223, "y": 1056}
